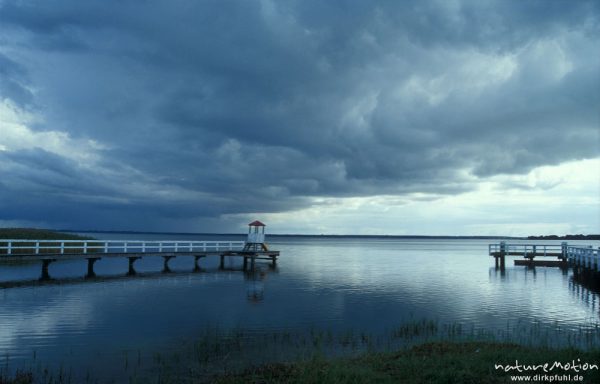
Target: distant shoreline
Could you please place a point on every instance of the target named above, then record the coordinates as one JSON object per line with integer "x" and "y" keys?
{"x": 38, "y": 234}
{"x": 297, "y": 235}
{"x": 66, "y": 234}
{"x": 325, "y": 236}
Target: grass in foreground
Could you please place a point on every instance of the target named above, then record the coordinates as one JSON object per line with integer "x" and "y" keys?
{"x": 431, "y": 362}
{"x": 440, "y": 362}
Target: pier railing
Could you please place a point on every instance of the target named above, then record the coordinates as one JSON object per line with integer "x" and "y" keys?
{"x": 70, "y": 247}
{"x": 580, "y": 256}
{"x": 528, "y": 250}
{"x": 584, "y": 256}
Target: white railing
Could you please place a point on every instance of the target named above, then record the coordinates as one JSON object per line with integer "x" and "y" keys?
{"x": 529, "y": 249}
{"x": 75, "y": 247}
{"x": 584, "y": 256}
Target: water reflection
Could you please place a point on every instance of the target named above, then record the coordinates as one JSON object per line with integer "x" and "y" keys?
{"x": 370, "y": 286}
{"x": 255, "y": 287}
{"x": 254, "y": 279}
{"x": 588, "y": 279}
{"x": 586, "y": 291}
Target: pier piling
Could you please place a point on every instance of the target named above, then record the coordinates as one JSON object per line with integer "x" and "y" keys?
{"x": 90, "y": 268}
{"x": 132, "y": 260}
{"x": 45, "y": 264}
{"x": 196, "y": 260}
{"x": 166, "y": 268}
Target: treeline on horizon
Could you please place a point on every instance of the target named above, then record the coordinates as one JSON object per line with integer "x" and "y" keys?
{"x": 37, "y": 234}
{"x": 565, "y": 237}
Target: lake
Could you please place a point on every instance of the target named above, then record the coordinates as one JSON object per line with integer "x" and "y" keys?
{"x": 338, "y": 295}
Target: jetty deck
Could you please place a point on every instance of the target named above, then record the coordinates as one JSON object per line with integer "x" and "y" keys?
{"x": 49, "y": 251}
{"x": 565, "y": 255}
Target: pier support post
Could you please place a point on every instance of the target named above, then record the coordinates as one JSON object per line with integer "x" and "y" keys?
{"x": 222, "y": 263}
{"x": 196, "y": 265}
{"x": 252, "y": 262}
{"x": 245, "y": 263}
{"x": 274, "y": 260}
{"x": 166, "y": 268}
{"x": 132, "y": 260}
{"x": 90, "y": 269}
{"x": 502, "y": 254}
{"x": 45, "y": 264}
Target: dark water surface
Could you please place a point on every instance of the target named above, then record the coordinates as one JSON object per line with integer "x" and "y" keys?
{"x": 368, "y": 286}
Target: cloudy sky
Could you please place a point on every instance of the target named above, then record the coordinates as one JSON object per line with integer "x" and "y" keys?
{"x": 342, "y": 117}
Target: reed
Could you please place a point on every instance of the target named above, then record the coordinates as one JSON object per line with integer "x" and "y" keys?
{"x": 245, "y": 355}
{"x": 442, "y": 362}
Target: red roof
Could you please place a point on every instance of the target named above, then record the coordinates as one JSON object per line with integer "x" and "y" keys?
{"x": 256, "y": 223}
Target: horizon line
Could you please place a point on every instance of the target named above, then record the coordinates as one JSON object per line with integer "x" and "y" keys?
{"x": 318, "y": 235}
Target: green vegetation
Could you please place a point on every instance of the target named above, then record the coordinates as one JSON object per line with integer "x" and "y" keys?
{"x": 19, "y": 378}
{"x": 417, "y": 351}
{"x": 37, "y": 234}
{"x": 470, "y": 362}
{"x": 434, "y": 362}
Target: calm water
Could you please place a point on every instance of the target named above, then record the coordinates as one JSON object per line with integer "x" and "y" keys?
{"x": 335, "y": 285}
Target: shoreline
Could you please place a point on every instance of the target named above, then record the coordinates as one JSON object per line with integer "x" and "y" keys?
{"x": 427, "y": 362}
{"x": 436, "y": 362}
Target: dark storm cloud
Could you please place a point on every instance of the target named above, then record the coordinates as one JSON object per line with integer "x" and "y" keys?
{"x": 13, "y": 78}
{"x": 214, "y": 107}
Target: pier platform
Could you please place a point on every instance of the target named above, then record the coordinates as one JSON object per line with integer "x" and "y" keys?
{"x": 584, "y": 258}
{"x": 49, "y": 251}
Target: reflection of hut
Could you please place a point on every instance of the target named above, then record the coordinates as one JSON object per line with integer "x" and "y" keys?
{"x": 255, "y": 288}
{"x": 256, "y": 237}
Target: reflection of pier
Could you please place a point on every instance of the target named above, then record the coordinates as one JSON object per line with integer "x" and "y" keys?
{"x": 252, "y": 290}
{"x": 255, "y": 287}
{"x": 588, "y": 291}
{"x": 49, "y": 251}
{"x": 579, "y": 282}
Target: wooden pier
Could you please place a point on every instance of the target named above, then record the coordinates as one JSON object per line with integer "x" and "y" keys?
{"x": 585, "y": 262}
{"x": 49, "y": 251}
{"x": 529, "y": 252}
{"x": 584, "y": 258}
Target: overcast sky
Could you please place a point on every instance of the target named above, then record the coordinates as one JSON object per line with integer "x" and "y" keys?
{"x": 342, "y": 117}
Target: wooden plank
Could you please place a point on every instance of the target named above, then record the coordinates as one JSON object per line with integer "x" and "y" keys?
{"x": 542, "y": 263}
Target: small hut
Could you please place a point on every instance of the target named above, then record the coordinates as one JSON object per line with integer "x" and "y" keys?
{"x": 256, "y": 237}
